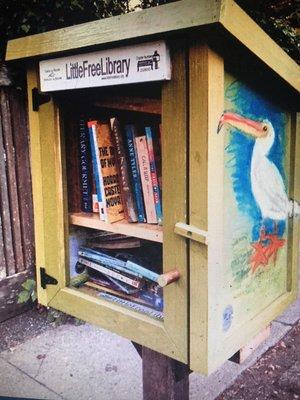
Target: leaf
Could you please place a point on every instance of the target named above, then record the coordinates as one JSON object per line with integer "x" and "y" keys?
{"x": 29, "y": 285}
{"x": 25, "y": 28}
{"x": 33, "y": 296}
{"x": 23, "y": 296}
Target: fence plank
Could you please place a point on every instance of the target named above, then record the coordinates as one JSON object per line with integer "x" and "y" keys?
{"x": 2, "y": 253}
{"x": 5, "y": 206}
{"x": 19, "y": 121}
{"x": 12, "y": 180}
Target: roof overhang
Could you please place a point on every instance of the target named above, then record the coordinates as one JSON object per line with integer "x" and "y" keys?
{"x": 175, "y": 18}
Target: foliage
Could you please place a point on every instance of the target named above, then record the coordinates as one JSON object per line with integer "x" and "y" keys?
{"x": 29, "y": 292}
{"x": 280, "y": 19}
{"x": 27, "y": 17}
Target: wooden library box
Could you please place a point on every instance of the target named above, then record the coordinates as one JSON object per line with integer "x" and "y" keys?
{"x": 166, "y": 174}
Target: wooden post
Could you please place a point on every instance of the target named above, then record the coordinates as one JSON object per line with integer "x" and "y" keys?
{"x": 163, "y": 377}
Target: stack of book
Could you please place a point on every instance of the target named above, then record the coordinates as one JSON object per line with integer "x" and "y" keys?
{"x": 126, "y": 169}
{"x": 120, "y": 280}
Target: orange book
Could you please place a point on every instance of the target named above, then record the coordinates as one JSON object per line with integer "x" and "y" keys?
{"x": 145, "y": 172}
{"x": 108, "y": 172}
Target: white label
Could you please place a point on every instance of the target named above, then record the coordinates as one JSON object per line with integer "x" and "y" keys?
{"x": 139, "y": 63}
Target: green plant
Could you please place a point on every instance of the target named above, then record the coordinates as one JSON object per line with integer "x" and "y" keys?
{"x": 29, "y": 292}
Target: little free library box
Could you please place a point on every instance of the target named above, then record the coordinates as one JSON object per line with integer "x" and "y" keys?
{"x": 166, "y": 173}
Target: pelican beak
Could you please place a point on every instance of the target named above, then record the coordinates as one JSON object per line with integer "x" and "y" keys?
{"x": 246, "y": 125}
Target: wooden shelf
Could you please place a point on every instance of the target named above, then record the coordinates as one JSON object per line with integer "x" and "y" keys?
{"x": 142, "y": 231}
{"x": 138, "y": 104}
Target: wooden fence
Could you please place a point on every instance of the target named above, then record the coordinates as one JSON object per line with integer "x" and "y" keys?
{"x": 16, "y": 211}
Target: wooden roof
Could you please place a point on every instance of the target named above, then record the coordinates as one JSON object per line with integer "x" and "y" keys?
{"x": 143, "y": 25}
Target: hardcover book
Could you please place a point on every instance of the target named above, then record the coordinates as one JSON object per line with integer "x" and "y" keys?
{"x": 84, "y": 166}
{"x": 108, "y": 172}
{"x": 125, "y": 184}
{"x": 123, "y": 277}
{"x": 144, "y": 165}
{"x": 96, "y": 169}
{"x": 136, "y": 179}
{"x": 154, "y": 177}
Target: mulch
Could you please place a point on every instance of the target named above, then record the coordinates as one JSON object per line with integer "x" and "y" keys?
{"x": 276, "y": 375}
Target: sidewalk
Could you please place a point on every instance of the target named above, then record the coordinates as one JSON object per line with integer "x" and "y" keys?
{"x": 85, "y": 362}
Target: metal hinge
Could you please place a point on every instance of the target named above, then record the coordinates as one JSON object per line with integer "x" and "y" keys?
{"x": 38, "y": 99}
{"x": 191, "y": 232}
{"x": 46, "y": 279}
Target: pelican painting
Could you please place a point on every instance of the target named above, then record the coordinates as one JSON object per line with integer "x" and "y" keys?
{"x": 266, "y": 183}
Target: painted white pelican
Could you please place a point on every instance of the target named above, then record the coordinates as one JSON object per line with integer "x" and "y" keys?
{"x": 266, "y": 181}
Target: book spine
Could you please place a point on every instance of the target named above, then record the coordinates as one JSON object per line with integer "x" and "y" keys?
{"x": 154, "y": 178}
{"x": 109, "y": 262}
{"x": 135, "y": 306}
{"x": 96, "y": 168}
{"x": 111, "y": 194}
{"x": 107, "y": 271}
{"x": 142, "y": 271}
{"x": 84, "y": 164}
{"x": 125, "y": 185}
{"x": 144, "y": 165}
{"x": 136, "y": 180}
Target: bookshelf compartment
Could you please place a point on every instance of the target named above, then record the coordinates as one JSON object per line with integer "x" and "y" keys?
{"x": 133, "y": 117}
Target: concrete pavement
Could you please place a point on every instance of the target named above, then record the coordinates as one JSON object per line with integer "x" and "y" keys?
{"x": 85, "y": 362}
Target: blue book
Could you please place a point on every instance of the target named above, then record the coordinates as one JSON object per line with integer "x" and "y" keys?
{"x": 96, "y": 168}
{"x": 135, "y": 173}
{"x": 84, "y": 165}
{"x": 120, "y": 265}
{"x": 156, "y": 190}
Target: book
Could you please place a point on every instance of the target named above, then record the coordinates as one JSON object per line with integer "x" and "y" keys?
{"x": 137, "y": 283}
{"x": 117, "y": 264}
{"x": 154, "y": 177}
{"x": 135, "y": 173}
{"x": 130, "y": 212}
{"x": 96, "y": 168}
{"x": 84, "y": 166}
{"x": 143, "y": 297}
{"x": 132, "y": 305}
{"x": 127, "y": 243}
{"x": 108, "y": 172}
{"x": 145, "y": 172}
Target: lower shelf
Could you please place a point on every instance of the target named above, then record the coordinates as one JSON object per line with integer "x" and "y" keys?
{"x": 153, "y": 233}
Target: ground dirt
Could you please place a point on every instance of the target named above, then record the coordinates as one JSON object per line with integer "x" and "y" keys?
{"x": 34, "y": 322}
{"x": 276, "y": 375}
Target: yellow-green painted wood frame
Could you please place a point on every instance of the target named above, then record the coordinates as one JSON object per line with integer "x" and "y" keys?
{"x": 206, "y": 169}
{"x": 183, "y": 16}
{"x": 169, "y": 337}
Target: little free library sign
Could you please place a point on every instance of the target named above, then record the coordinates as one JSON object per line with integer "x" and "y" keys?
{"x": 130, "y": 64}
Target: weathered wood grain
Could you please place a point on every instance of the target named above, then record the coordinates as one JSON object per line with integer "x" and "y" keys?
{"x": 18, "y": 106}
{"x": 164, "y": 378}
{"x": 13, "y": 190}
{"x": 10, "y": 288}
{"x": 2, "y": 250}
{"x": 5, "y": 205}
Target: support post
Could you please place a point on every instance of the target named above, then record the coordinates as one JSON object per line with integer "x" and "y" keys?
{"x": 163, "y": 377}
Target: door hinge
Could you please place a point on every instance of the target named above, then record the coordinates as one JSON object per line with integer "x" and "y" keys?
{"x": 38, "y": 99}
{"x": 46, "y": 279}
{"x": 191, "y": 232}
